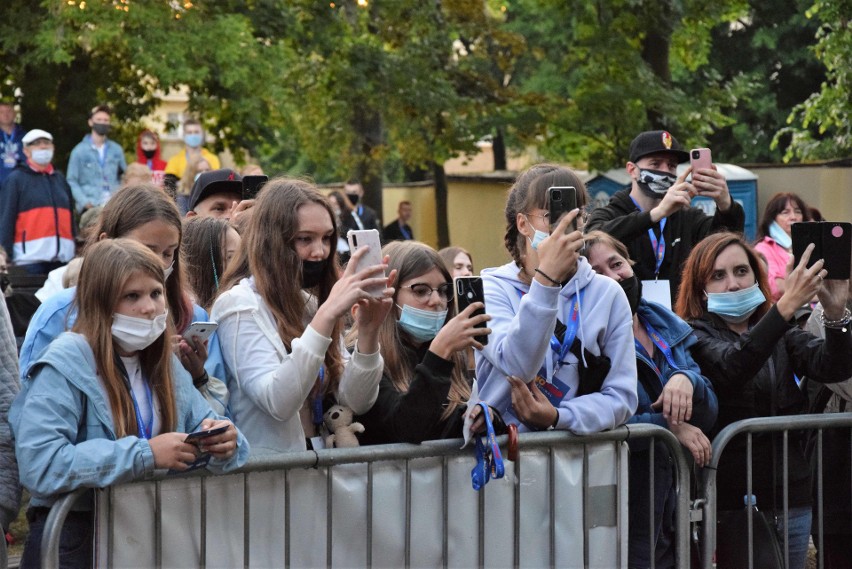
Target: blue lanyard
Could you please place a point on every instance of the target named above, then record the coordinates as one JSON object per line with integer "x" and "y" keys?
{"x": 658, "y": 341}
{"x": 317, "y": 403}
{"x": 489, "y": 462}
{"x": 570, "y": 332}
{"x": 659, "y": 247}
{"x": 145, "y": 427}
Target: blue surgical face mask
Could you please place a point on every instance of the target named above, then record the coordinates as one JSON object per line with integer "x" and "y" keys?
{"x": 192, "y": 140}
{"x": 736, "y": 306}
{"x": 538, "y": 237}
{"x": 42, "y": 156}
{"x": 779, "y": 235}
{"x": 421, "y": 325}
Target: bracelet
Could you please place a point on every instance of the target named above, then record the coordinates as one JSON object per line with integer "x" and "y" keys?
{"x": 201, "y": 381}
{"x": 840, "y": 323}
{"x": 554, "y": 281}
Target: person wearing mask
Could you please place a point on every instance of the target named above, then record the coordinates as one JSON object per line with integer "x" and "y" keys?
{"x": 654, "y": 218}
{"x": 96, "y": 163}
{"x": 36, "y": 222}
{"x": 280, "y": 311}
{"x": 361, "y": 215}
{"x": 555, "y": 356}
{"x": 148, "y": 153}
{"x": 424, "y": 387}
{"x": 11, "y": 140}
{"x": 752, "y": 351}
{"x": 774, "y": 237}
{"x": 673, "y": 393}
{"x": 122, "y": 411}
{"x": 193, "y": 138}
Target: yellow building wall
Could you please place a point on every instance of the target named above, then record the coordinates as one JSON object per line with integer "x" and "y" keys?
{"x": 475, "y": 215}
{"x": 825, "y": 188}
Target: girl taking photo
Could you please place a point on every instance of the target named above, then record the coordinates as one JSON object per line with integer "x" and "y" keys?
{"x": 122, "y": 410}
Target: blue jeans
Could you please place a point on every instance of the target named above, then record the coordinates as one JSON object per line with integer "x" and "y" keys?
{"x": 75, "y": 543}
{"x": 800, "y": 533}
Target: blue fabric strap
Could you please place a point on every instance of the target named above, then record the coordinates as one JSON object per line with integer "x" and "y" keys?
{"x": 489, "y": 461}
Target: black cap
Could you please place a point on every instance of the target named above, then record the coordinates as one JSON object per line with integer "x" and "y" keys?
{"x": 224, "y": 181}
{"x": 654, "y": 141}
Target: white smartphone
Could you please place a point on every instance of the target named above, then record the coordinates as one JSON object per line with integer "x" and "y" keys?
{"x": 359, "y": 238}
{"x": 200, "y": 331}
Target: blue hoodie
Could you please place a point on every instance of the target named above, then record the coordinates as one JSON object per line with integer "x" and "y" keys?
{"x": 64, "y": 431}
{"x": 522, "y": 321}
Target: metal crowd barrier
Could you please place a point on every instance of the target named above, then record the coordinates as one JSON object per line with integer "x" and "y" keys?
{"x": 764, "y": 425}
{"x": 563, "y": 503}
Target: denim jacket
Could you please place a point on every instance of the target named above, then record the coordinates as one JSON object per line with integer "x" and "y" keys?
{"x": 88, "y": 179}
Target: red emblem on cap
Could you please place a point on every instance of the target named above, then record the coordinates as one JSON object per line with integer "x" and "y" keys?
{"x": 667, "y": 140}
{"x": 231, "y": 175}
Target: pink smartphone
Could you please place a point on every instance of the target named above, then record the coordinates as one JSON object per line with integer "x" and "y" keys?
{"x": 700, "y": 158}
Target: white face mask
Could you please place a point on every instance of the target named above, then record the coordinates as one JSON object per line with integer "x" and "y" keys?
{"x": 133, "y": 334}
{"x": 168, "y": 270}
{"x": 42, "y": 156}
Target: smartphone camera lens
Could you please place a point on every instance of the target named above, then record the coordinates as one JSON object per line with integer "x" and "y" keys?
{"x": 556, "y": 195}
{"x": 470, "y": 295}
{"x": 696, "y": 154}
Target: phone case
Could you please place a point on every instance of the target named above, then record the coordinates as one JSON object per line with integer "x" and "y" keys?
{"x": 367, "y": 237}
{"x": 469, "y": 290}
{"x": 832, "y": 242}
{"x": 561, "y": 199}
{"x": 700, "y": 158}
{"x": 201, "y": 330}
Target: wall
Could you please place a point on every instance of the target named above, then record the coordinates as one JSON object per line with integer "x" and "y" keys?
{"x": 826, "y": 188}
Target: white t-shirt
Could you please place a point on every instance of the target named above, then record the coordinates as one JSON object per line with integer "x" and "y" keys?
{"x": 141, "y": 393}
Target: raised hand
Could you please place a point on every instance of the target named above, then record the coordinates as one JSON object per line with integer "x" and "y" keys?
{"x": 459, "y": 333}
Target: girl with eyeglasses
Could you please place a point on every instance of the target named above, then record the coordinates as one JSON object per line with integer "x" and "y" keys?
{"x": 424, "y": 386}
{"x": 556, "y": 357}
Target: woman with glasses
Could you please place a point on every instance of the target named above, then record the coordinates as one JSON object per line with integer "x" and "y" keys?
{"x": 424, "y": 386}
{"x": 555, "y": 358}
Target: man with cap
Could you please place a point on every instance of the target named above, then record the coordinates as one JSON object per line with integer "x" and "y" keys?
{"x": 36, "y": 225}
{"x": 96, "y": 163}
{"x": 654, "y": 217}
{"x": 216, "y": 193}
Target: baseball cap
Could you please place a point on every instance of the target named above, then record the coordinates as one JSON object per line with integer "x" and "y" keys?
{"x": 36, "y": 134}
{"x": 213, "y": 182}
{"x": 654, "y": 141}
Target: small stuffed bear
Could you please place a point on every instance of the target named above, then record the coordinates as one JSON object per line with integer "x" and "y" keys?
{"x": 338, "y": 421}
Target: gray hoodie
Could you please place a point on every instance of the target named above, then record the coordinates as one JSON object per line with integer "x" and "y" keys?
{"x": 10, "y": 487}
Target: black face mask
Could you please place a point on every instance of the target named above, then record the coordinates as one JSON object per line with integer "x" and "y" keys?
{"x": 4, "y": 282}
{"x": 149, "y": 153}
{"x": 353, "y": 198}
{"x": 312, "y": 272}
{"x": 632, "y": 287}
{"x": 101, "y": 129}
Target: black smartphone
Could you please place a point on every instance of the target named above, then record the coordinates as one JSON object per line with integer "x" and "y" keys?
{"x": 252, "y": 185}
{"x": 198, "y": 435}
{"x": 561, "y": 200}
{"x": 832, "y": 242}
{"x": 469, "y": 290}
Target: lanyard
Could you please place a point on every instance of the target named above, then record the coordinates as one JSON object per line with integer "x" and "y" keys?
{"x": 145, "y": 427}
{"x": 560, "y": 349}
{"x": 489, "y": 461}
{"x": 659, "y": 342}
{"x": 317, "y": 403}
{"x": 659, "y": 246}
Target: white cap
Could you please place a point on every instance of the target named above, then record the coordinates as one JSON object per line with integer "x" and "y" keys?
{"x": 34, "y": 135}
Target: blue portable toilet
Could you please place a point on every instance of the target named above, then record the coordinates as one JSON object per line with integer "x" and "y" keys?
{"x": 742, "y": 184}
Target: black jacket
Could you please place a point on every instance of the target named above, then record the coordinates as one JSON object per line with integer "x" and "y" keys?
{"x": 393, "y": 232}
{"x": 753, "y": 376}
{"x": 366, "y": 214}
{"x": 624, "y": 221}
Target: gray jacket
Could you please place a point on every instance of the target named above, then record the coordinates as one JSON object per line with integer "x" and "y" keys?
{"x": 10, "y": 487}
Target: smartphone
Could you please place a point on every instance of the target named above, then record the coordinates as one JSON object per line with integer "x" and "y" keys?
{"x": 359, "y": 238}
{"x": 252, "y": 185}
{"x": 700, "y": 158}
{"x": 200, "y": 331}
{"x": 469, "y": 290}
{"x": 832, "y": 242}
{"x": 561, "y": 200}
{"x": 198, "y": 435}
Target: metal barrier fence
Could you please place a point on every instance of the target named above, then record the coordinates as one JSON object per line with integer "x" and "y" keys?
{"x": 563, "y": 503}
{"x": 765, "y": 425}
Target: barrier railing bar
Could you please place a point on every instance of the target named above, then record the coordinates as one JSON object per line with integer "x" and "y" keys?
{"x": 445, "y": 511}
{"x": 407, "y": 513}
{"x": 329, "y": 508}
{"x": 53, "y": 528}
{"x": 480, "y": 496}
{"x": 750, "y": 494}
{"x": 287, "y": 518}
{"x": 785, "y": 453}
{"x": 246, "y": 520}
{"x": 369, "y": 532}
{"x": 110, "y": 494}
{"x": 586, "y": 505}
{"x": 652, "y": 463}
{"x": 820, "y": 503}
{"x": 158, "y": 526}
{"x": 516, "y": 513}
{"x": 203, "y": 525}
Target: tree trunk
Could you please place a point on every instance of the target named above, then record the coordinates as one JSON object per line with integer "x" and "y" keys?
{"x": 367, "y": 147}
{"x": 441, "y": 199}
{"x": 498, "y": 148}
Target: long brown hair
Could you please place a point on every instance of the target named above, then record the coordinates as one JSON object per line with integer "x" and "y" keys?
{"x": 201, "y": 247}
{"x": 449, "y": 254}
{"x": 106, "y": 269}
{"x": 132, "y": 207}
{"x": 691, "y": 302}
{"x": 268, "y": 254}
{"x": 412, "y": 259}
{"x": 530, "y": 192}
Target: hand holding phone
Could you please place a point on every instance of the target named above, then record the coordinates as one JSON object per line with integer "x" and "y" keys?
{"x": 196, "y": 437}
{"x": 832, "y": 243}
{"x": 200, "y": 332}
{"x": 360, "y": 238}
{"x": 561, "y": 200}
{"x": 469, "y": 290}
{"x": 700, "y": 158}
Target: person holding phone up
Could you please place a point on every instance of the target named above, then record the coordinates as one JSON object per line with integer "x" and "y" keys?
{"x": 121, "y": 411}
{"x": 753, "y": 353}
{"x": 654, "y": 217}
{"x": 555, "y": 356}
{"x": 424, "y": 386}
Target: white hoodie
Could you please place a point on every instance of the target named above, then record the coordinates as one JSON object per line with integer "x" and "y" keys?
{"x": 519, "y": 344}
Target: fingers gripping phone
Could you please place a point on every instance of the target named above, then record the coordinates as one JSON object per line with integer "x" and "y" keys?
{"x": 200, "y": 330}
{"x": 832, "y": 242}
{"x": 359, "y": 238}
{"x": 700, "y": 158}
{"x": 561, "y": 200}
{"x": 197, "y": 439}
{"x": 252, "y": 185}
{"x": 469, "y": 290}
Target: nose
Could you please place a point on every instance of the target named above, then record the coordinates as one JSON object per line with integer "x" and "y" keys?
{"x": 435, "y": 299}
{"x": 318, "y": 252}
{"x": 732, "y": 283}
{"x": 147, "y": 307}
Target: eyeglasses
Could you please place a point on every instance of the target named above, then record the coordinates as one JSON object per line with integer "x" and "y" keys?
{"x": 422, "y": 291}
{"x": 583, "y": 216}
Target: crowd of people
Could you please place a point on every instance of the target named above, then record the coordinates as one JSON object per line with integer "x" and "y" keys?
{"x": 304, "y": 326}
